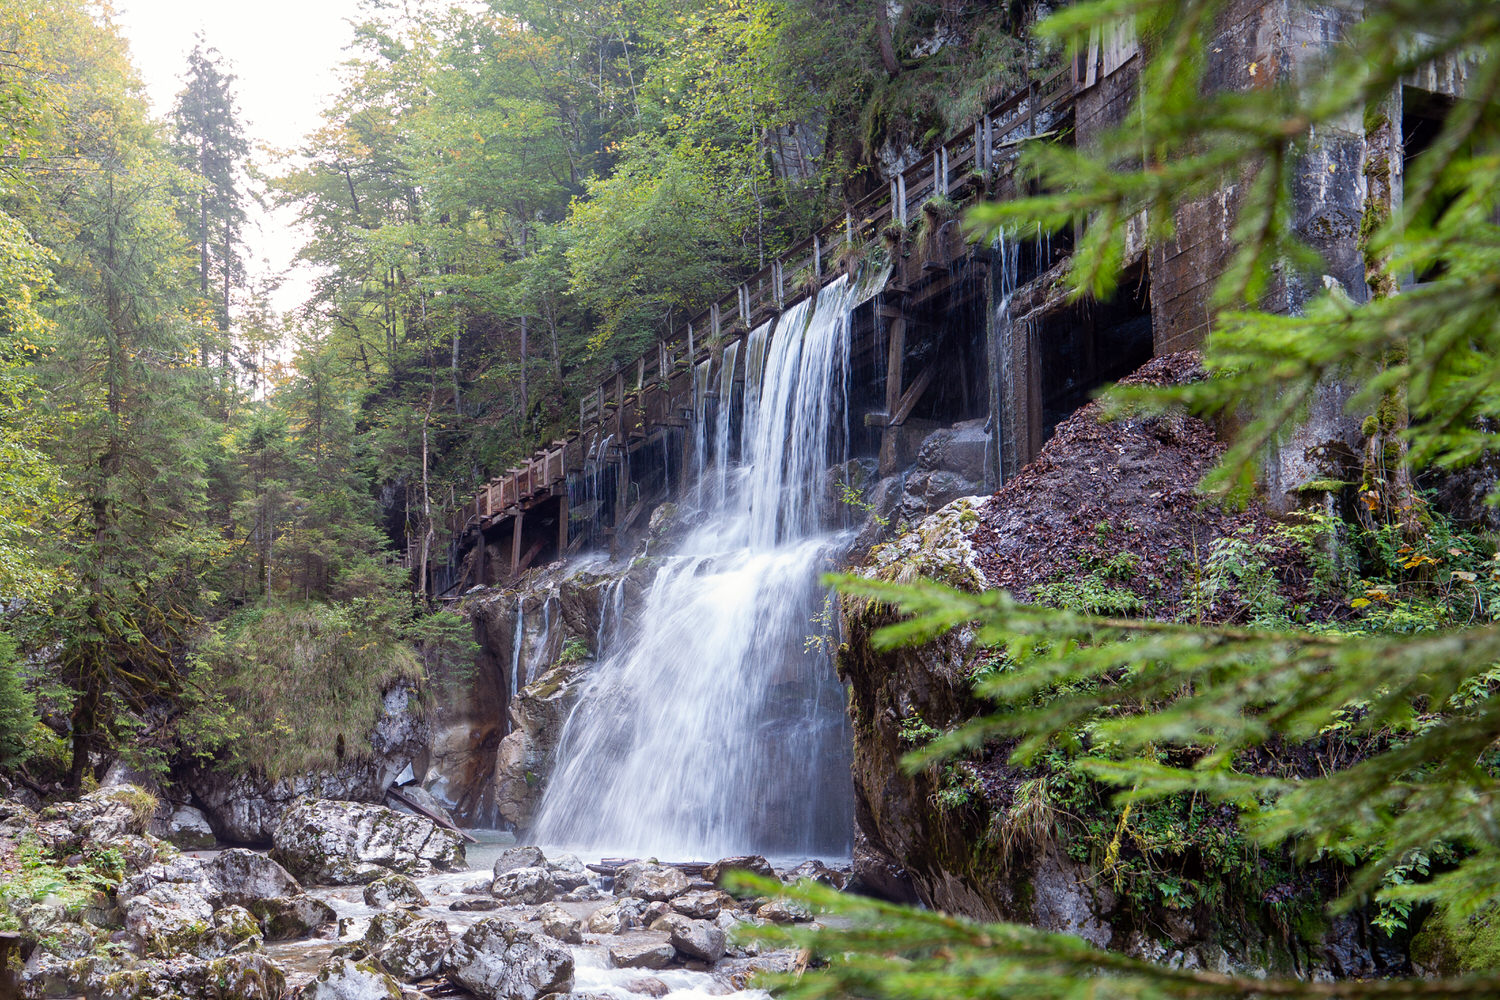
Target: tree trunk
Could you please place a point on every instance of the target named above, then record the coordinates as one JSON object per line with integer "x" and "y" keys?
{"x": 883, "y": 38}
{"x": 525, "y": 406}
{"x": 1387, "y": 486}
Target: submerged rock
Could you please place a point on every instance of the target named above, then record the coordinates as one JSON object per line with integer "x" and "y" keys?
{"x": 498, "y": 960}
{"x": 353, "y": 843}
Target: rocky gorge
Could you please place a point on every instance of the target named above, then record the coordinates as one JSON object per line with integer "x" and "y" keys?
{"x": 359, "y": 902}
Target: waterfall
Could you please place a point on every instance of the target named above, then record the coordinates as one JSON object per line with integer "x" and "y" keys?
{"x": 711, "y": 728}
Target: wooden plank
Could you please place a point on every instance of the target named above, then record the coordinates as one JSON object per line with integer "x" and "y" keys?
{"x": 394, "y": 793}
{"x": 910, "y": 398}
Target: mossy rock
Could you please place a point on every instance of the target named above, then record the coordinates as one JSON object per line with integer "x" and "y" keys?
{"x": 1473, "y": 945}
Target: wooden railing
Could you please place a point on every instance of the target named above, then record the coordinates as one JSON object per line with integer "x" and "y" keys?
{"x": 638, "y": 394}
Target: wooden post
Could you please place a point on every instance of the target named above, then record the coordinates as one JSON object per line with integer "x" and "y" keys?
{"x": 894, "y": 360}
{"x": 481, "y": 563}
{"x": 562, "y": 524}
{"x": 515, "y": 545}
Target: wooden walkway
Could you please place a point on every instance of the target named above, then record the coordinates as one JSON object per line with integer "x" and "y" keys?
{"x": 655, "y": 392}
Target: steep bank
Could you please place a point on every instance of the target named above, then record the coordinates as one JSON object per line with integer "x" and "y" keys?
{"x": 1107, "y": 520}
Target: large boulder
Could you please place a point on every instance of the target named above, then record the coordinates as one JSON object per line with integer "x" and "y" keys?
{"x": 286, "y": 918}
{"x": 559, "y": 923}
{"x": 188, "y": 829}
{"x": 352, "y": 843}
{"x": 172, "y": 920}
{"x": 645, "y": 880}
{"x": 646, "y": 954}
{"x": 344, "y": 979}
{"x": 524, "y": 885}
{"x": 702, "y": 904}
{"x": 618, "y": 917}
{"x": 692, "y": 938}
{"x": 520, "y": 856}
{"x": 416, "y": 951}
{"x": 393, "y": 890}
{"x": 498, "y": 960}
{"x": 239, "y": 876}
{"x": 752, "y": 863}
{"x": 246, "y": 808}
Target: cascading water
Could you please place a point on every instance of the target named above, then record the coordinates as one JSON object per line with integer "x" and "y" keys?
{"x": 713, "y": 729}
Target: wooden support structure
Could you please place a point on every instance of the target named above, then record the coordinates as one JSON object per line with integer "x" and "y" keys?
{"x": 515, "y": 544}
{"x": 894, "y": 360}
{"x": 974, "y": 159}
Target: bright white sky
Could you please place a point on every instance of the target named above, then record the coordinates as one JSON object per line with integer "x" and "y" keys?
{"x": 285, "y": 54}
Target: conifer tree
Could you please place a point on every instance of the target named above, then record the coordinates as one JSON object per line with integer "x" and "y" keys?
{"x": 209, "y": 143}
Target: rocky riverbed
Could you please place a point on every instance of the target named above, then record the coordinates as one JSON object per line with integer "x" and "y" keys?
{"x": 359, "y": 902}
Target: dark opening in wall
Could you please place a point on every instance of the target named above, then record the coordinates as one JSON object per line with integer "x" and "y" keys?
{"x": 1087, "y": 345}
{"x": 946, "y": 342}
{"x": 1423, "y": 115}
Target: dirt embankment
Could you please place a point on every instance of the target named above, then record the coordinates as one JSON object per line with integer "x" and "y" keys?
{"x": 1119, "y": 501}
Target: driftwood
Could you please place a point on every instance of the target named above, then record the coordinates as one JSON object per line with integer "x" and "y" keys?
{"x": 608, "y": 866}
{"x": 439, "y": 820}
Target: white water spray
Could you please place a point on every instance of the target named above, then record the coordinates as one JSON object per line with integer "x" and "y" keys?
{"x": 713, "y": 730}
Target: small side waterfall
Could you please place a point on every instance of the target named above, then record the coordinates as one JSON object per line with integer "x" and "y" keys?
{"x": 713, "y": 729}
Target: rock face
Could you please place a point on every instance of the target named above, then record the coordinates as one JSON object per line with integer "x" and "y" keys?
{"x": 498, "y": 960}
{"x": 520, "y": 632}
{"x": 351, "y": 843}
{"x": 246, "y": 809}
{"x": 526, "y": 754}
{"x": 950, "y": 464}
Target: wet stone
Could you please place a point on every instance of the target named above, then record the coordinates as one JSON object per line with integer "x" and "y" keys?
{"x": 642, "y": 955}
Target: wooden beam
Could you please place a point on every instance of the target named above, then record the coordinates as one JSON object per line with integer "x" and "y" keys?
{"x": 910, "y": 398}
{"x": 515, "y": 544}
{"x": 894, "y": 360}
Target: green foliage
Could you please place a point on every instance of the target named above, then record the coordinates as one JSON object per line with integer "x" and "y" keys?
{"x": 283, "y": 690}
{"x": 17, "y": 707}
{"x": 32, "y": 874}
